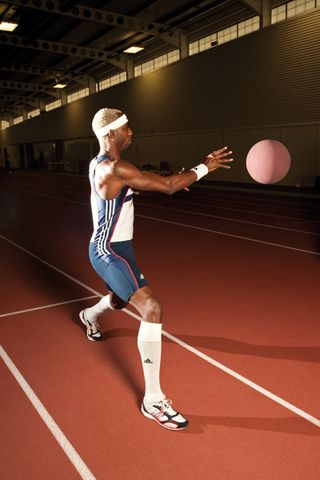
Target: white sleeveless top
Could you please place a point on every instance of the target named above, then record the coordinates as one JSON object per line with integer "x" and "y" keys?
{"x": 112, "y": 219}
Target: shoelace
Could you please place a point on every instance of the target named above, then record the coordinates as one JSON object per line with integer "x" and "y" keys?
{"x": 166, "y": 407}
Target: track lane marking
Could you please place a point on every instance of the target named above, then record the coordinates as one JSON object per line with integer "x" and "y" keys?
{"x": 276, "y": 227}
{"x": 58, "y": 434}
{"x": 243, "y": 211}
{"x": 238, "y": 376}
{"x": 174, "y": 200}
{"x": 42, "y": 307}
{"x": 217, "y": 232}
{"x": 275, "y": 204}
{"x": 284, "y": 403}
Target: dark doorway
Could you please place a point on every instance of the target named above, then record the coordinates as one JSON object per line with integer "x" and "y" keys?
{"x": 30, "y": 155}
{"x": 22, "y": 157}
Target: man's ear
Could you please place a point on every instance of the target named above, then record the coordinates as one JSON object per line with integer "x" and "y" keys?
{"x": 111, "y": 135}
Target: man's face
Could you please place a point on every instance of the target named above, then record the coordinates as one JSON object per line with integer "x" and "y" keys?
{"x": 123, "y": 136}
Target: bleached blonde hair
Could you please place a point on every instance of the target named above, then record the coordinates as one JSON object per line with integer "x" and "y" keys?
{"x": 103, "y": 117}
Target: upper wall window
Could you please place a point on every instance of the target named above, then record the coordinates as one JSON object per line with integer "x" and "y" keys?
{"x": 248, "y": 26}
{"x": 156, "y": 63}
{"x": 34, "y": 113}
{"x": 278, "y": 14}
{"x": 299, "y": 6}
{"x": 77, "y": 95}
{"x": 114, "y": 80}
{"x": 203, "y": 44}
{"x": 4, "y": 124}
{"x": 227, "y": 34}
{"x": 293, "y": 8}
{"x": 53, "y": 105}
{"x": 18, "y": 120}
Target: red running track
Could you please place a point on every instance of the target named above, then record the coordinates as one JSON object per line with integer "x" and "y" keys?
{"x": 238, "y": 275}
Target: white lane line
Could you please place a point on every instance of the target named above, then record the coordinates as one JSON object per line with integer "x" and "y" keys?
{"x": 271, "y": 204}
{"x": 188, "y": 226}
{"x": 190, "y": 212}
{"x": 51, "y": 266}
{"x": 255, "y": 212}
{"x": 276, "y": 204}
{"x": 229, "y": 235}
{"x": 246, "y": 381}
{"x": 54, "y": 197}
{"x": 64, "y": 443}
{"x": 259, "y": 200}
{"x": 208, "y": 359}
{"x": 238, "y": 376}
{"x": 47, "y": 306}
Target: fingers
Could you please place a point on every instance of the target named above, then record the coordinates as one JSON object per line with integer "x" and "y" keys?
{"x": 221, "y": 150}
{"x": 220, "y": 153}
{"x": 225, "y": 166}
{"x": 220, "y": 158}
{"x": 223, "y": 161}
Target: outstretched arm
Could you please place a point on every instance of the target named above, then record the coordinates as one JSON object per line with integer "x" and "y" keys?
{"x": 139, "y": 180}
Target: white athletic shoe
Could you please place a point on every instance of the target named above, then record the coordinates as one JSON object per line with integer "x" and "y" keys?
{"x": 93, "y": 328}
{"x": 166, "y": 416}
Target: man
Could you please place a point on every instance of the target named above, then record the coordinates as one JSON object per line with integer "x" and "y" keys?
{"x": 111, "y": 254}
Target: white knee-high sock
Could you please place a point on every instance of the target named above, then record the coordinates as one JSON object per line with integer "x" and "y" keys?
{"x": 93, "y": 313}
{"x": 149, "y": 345}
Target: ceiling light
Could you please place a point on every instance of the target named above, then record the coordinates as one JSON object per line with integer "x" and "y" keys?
{"x": 60, "y": 85}
{"x": 8, "y": 26}
{"x": 133, "y": 49}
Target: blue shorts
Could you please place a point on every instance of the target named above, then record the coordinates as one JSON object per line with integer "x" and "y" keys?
{"x": 118, "y": 270}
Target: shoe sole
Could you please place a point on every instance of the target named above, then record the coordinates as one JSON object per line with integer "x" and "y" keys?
{"x": 147, "y": 415}
{"x": 92, "y": 339}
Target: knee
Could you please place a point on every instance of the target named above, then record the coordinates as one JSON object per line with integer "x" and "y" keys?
{"x": 116, "y": 302}
{"x": 153, "y": 309}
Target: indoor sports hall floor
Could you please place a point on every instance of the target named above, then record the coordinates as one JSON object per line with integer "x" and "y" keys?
{"x": 238, "y": 275}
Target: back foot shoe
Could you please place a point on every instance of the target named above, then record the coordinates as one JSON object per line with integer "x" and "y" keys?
{"x": 93, "y": 328}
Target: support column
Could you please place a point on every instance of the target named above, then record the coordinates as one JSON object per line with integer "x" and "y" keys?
{"x": 184, "y": 46}
{"x": 42, "y": 106}
{"x": 130, "y": 68}
{"x": 92, "y": 84}
{"x": 265, "y": 18}
{"x": 63, "y": 97}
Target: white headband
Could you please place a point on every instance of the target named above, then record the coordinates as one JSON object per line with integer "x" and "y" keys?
{"x": 101, "y": 132}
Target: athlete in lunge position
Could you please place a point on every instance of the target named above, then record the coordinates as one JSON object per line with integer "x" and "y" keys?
{"x": 111, "y": 254}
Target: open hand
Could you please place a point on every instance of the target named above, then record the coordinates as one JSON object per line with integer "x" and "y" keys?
{"x": 218, "y": 159}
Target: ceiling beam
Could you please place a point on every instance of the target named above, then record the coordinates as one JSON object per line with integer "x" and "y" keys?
{"x": 19, "y": 103}
{"x": 45, "y": 72}
{"x": 33, "y": 70}
{"x": 20, "y": 99}
{"x": 29, "y": 87}
{"x": 255, "y": 5}
{"x": 12, "y": 110}
{"x": 9, "y": 39}
{"x": 89, "y": 14}
{"x": 261, "y": 7}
